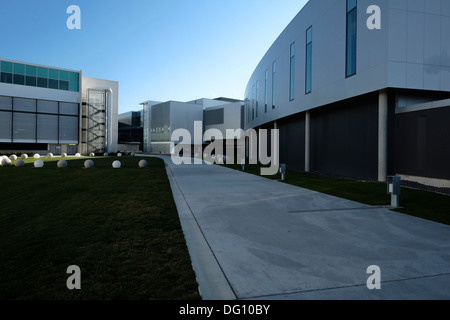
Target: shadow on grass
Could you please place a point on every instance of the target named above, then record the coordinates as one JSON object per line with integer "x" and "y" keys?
{"x": 120, "y": 226}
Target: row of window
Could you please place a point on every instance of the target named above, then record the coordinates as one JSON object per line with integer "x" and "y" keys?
{"x": 351, "y": 29}
{"x": 38, "y": 106}
{"x": 33, "y": 76}
{"x": 19, "y": 127}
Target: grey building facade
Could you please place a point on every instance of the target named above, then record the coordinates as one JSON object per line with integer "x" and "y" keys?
{"x": 355, "y": 101}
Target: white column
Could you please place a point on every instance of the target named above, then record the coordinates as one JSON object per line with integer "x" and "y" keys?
{"x": 307, "y": 141}
{"x": 382, "y": 135}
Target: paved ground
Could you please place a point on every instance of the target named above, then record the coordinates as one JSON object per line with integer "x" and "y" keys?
{"x": 255, "y": 238}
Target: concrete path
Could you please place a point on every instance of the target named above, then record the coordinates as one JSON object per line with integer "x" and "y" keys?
{"x": 254, "y": 238}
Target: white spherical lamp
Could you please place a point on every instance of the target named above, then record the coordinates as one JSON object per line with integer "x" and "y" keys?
{"x": 39, "y": 164}
{"x": 64, "y": 155}
{"x": 6, "y": 162}
{"x": 37, "y": 156}
{"x": 13, "y": 157}
{"x": 91, "y": 154}
{"x": 62, "y": 164}
{"x": 50, "y": 155}
{"x": 143, "y": 164}
{"x": 24, "y": 156}
{"x": 19, "y": 163}
{"x": 116, "y": 164}
{"x": 77, "y": 155}
{"x": 88, "y": 164}
{"x": 119, "y": 154}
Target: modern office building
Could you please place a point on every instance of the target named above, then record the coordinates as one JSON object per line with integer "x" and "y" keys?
{"x": 162, "y": 119}
{"x": 131, "y": 130}
{"x": 45, "y": 109}
{"x": 359, "y": 92}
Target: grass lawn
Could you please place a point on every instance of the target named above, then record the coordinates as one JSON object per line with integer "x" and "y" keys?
{"x": 423, "y": 204}
{"x": 120, "y": 226}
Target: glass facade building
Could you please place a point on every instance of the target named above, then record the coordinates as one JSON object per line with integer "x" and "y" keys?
{"x": 37, "y": 76}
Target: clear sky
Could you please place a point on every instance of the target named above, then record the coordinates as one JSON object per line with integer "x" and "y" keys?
{"x": 158, "y": 50}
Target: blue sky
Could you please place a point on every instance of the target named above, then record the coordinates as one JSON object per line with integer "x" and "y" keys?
{"x": 158, "y": 50}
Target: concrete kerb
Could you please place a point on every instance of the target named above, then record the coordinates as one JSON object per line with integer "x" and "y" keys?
{"x": 212, "y": 282}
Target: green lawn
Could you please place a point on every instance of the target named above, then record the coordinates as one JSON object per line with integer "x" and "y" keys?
{"x": 423, "y": 204}
{"x": 120, "y": 226}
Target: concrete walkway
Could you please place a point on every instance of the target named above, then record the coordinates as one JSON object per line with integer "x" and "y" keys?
{"x": 254, "y": 238}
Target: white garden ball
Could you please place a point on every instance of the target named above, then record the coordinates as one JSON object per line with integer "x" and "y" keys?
{"x": 77, "y": 155}
{"x": 13, "y": 157}
{"x": 116, "y": 164}
{"x": 119, "y": 154}
{"x": 19, "y": 163}
{"x": 62, "y": 164}
{"x": 50, "y": 155}
{"x": 6, "y": 162}
{"x": 37, "y": 156}
{"x": 39, "y": 164}
{"x": 88, "y": 164}
{"x": 91, "y": 154}
{"x": 143, "y": 164}
{"x": 24, "y": 156}
{"x": 64, "y": 155}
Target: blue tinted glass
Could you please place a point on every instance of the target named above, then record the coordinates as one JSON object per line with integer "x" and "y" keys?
{"x": 53, "y": 84}
{"x": 42, "y": 82}
{"x": 53, "y": 74}
{"x": 63, "y": 75}
{"x": 74, "y": 77}
{"x": 31, "y": 71}
{"x": 351, "y": 44}
{"x": 42, "y": 72}
{"x": 30, "y": 81}
{"x": 73, "y": 86}
{"x": 351, "y": 4}
{"x": 19, "y": 68}
{"x": 309, "y": 35}
{"x": 7, "y": 67}
{"x": 63, "y": 85}
{"x": 308, "y": 67}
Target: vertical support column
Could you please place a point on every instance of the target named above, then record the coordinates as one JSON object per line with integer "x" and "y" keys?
{"x": 382, "y": 135}
{"x": 307, "y": 141}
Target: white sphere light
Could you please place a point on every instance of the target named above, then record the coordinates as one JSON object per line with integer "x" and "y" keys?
{"x": 39, "y": 164}
{"x": 50, "y": 155}
{"x": 24, "y": 156}
{"x": 77, "y": 155}
{"x": 19, "y": 163}
{"x": 143, "y": 164}
{"x": 37, "y": 156}
{"x": 88, "y": 164}
{"x": 119, "y": 154}
{"x": 116, "y": 164}
{"x": 64, "y": 155}
{"x": 92, "y": 154}
{"x": 6, "y": 162}
{"x": 13, "y": 157}
{"x": 62, "y": 164}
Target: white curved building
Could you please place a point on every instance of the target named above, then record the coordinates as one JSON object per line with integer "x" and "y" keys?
{"x": 357, "y": 92}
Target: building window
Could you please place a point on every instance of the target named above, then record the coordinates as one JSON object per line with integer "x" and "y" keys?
{"x": 308, "y": 67}
{"x": 292, "y": 74}
{"x": 256, "y": 98}
{"x": 266, "y": 94}
{"x": 253, "y": 103}
{"x": 32, "y": 76}
{"x": 351, "y": 38}
{"x": 274, "y": 73}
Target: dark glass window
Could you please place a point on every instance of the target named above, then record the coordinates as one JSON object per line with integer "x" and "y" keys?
{"x": 266, "y": 87}
{"x": 6, "y": 77}
{"x": 351, "y": 38}
{"x": 42, "y": 82}
{"x": 53, "y": 84}
{"x": 292, "y": 74}
{"x": 274, "y": 70}
{"x": 63, "y": 85}
{"x": 308, "y": 67}
{"x": 30, "y": 81}
{"x": 19, "y": 79}
{"x": 256, "y": 98}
